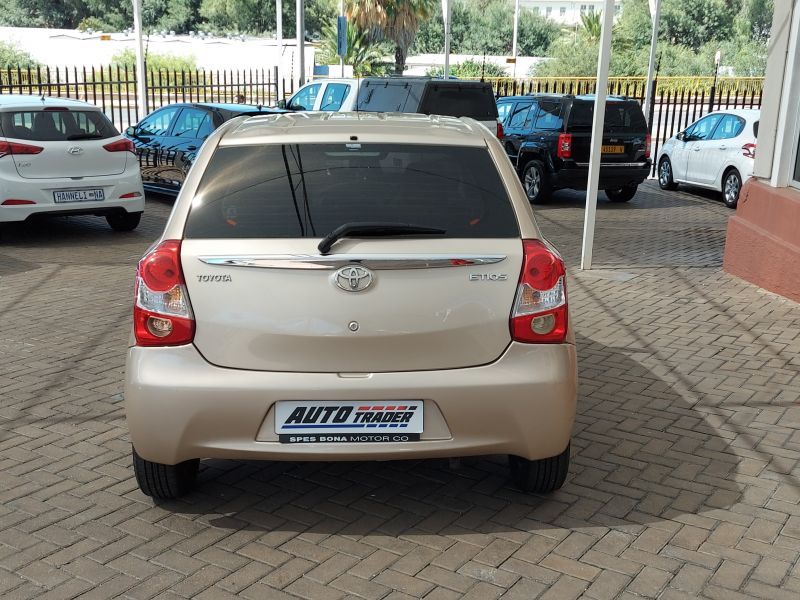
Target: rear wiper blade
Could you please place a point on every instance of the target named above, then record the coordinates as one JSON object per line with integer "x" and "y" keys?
{"x": 374, "y": 230}
{"x": 84, "y": 136}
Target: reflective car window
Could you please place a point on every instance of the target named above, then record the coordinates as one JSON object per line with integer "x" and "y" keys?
{"x": 549, "y": 116}
{"x": 56, "y": 125}
{"x": 502, "y": 110}
{"x": 189, "y": 122}
{"x": 305, "y": 98}
{"x": 157, "y": 123}
{"x": 703, "y": 129}
{"x": 729, "y": 127}
{"x": 334, "y": 96}
{"x": 308, "y": 190}
{"x": 519, "y": 115}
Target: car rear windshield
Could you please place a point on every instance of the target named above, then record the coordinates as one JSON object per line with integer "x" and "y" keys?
{"x": 620, "y": 117}
{"x": 459, "y": 101}
{"x": 308, "y": 190}
{"x": 56, "y": 125}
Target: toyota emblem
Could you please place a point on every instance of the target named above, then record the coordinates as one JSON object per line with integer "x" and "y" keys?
{"x": 353, "y": 278}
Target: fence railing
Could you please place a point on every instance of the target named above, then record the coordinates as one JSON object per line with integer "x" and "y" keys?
{"x": 113, "y": 88}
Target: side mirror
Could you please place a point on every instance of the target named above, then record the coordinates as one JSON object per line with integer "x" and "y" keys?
{"x": 681, "y": 136}
{"x": 131, "y": 131}
{"x": 281, "y": 104}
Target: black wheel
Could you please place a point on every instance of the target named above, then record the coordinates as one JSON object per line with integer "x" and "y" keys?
{"x": 164, "y": 481}
{"x": 665, "y": 180}
{"x": 623, "y": 194}
{"x": 124, "y": 221}
{"x": 540, "y": 476}
{"x": 731, "y": 188}
{"x": 536, "y": 182}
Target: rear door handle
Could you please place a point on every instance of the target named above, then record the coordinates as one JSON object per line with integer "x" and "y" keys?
{"x": 723, "y": 147}
{"x": 695, "y": 149}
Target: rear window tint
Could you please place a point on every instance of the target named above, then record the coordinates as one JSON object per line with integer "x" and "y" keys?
{"x": 619, "y": 116}
{"x": 56, "y": 125}
{"x": 293, "y": 191}
{"x": 459, "y": 101}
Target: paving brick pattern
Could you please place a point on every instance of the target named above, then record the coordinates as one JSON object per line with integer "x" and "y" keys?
{"x": 684, "y": 480}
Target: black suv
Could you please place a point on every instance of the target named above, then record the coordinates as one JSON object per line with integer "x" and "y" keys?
{"x": 548, "y": 138}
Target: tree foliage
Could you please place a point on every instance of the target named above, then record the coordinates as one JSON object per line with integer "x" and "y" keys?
{"x": 12, "y": 56}
{"x": 365, "y": 57}
{"x": 470, "y": 69}
{"x": 693, "y": 23}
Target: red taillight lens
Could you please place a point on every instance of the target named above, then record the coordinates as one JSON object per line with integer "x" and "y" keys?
{"x": 162, "y": 315}
{"x": 130, "y": 195}
{"x": 500, "y": 132}
{"x": 15, "y": 202}
{"x": 123, "y": 145}
{"x": 749, "y": 150}
{"x": 7, "y": 148}
{"x": 564, "y": 149}
{"x": 540, "y": 312}
{"x": 648, "y": 140}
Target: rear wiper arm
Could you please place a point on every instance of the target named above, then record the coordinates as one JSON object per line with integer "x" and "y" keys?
{"x": 374, "y": 230}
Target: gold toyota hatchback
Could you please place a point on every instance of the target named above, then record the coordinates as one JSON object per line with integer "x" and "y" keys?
{"x": 350, "y": 286}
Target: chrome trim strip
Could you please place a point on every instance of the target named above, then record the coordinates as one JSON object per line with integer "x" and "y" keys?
{"x": 372, "y": 261}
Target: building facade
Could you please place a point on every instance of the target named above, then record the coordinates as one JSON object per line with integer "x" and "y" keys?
{"x": 763, "y": 240}
{"x": 567, "y": 12}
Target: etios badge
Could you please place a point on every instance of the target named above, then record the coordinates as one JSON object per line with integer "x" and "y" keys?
{"x": 353, "y": 278}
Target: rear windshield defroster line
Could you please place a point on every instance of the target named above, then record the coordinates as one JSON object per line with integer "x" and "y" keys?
{"x": 308, "y": 190}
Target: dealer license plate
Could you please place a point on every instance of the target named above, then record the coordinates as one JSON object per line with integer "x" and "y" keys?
{"x": 610, "y": 149}
{"x": 335, "y": 421}
{"x": 79, "y": 196}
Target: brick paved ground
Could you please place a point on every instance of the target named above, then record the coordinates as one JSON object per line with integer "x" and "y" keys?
{"x": 685, "y": 456}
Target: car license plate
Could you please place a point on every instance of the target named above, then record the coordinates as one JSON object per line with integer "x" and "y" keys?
{"x": 79, "y": 196}
{"x": 610, "y": 149}
{"x": 333, "y": 421}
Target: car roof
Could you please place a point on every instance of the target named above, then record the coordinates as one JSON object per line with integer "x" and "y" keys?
{"x": 333, "y": 127}
{"x": 23, "y": 101}
{"x": 745, "y": 113}
{"x": 229, "y": 106}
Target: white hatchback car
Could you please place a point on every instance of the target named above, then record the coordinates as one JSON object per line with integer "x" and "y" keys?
{"x": 342, "y": 286}
{"x": 716, "y": 152}
{"x": 64, "y": 157}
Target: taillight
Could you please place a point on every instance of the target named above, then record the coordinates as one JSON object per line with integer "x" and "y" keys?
{"x": 7, "y": 148}
{"x": 749, "y": 150}
{"x": 162, "y": 315}
{"x": 500, "y": 132}
{"x": 564, "y": 149}
{"x": 648, "y": 140}
{"x": 130, "y": 195}
{"x": 123, "y": 145}
{"x": 540, "y": 310}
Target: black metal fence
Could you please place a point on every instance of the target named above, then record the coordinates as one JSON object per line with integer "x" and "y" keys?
{"x": 113, "y": 88}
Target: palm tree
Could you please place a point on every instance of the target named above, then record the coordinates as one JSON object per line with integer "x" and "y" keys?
{"x": 395, "y": 20}
{"x": 592, "y": 26}
{"x": 363, "y": 54}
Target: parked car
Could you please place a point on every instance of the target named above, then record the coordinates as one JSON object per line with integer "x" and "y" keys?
{"x": 64, "y": 157}
{"x": 338, "y": 95}
{"x": 168, "y": 139}
{"x": 302, "y": 305}
{"x": 548, "y": 138}
{"x": 716, "y": 152}
{"x": 427, "y": 96}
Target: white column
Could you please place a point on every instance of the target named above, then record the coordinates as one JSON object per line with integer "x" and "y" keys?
{"x": 655, "y": 13}
{"x": 603, "y": 62}
{"x": 516, "y": 36}
{"x": 141, "y": 76}
{"x": 446, "y": 17}
{"x": 301, "y": 42}
{"x": 341, "y": 14}
{"x": 279, "y": 43}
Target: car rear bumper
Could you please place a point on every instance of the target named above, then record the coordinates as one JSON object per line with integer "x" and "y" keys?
{"x": 181, "y": 407}
{"x": 612, "y": 176}
{"x": 40, "y": 191}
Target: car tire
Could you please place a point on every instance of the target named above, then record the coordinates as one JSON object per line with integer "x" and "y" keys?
{"x": 536, "y": 182}
{"x": 665, "y": 179}
{"x": 731, "y": 188}
{"x": 623, "y": 194}
{"x": 165, "y": 481}
{"x": 539, "y": 476}
{"x": 124, "y": 221}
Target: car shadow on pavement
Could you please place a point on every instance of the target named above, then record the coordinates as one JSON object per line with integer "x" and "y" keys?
{"x": 640, "y": 454}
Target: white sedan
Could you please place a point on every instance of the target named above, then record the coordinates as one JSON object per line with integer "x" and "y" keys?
{"x": 715, "y": 152}
{"x": 64, "y": 157}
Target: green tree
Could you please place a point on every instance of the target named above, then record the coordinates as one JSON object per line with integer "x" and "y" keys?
{"x": 470, "y": 69}
{"x": 754, "y": 21}
{"x": 12, "y": 56}
{"x": 635, "y": 25}
{"x": 396, "y": 21}
{"x": 366, "y": 57}
{"x": 692, "y": 23}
